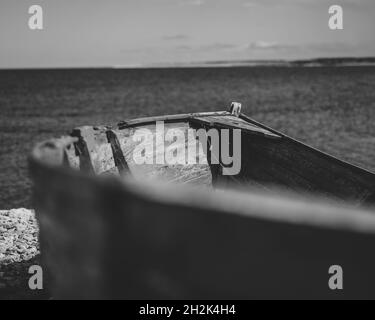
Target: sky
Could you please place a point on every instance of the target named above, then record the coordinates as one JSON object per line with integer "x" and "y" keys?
{"x": 131, "y": 33}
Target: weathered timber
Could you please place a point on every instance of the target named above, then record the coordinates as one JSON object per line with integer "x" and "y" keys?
{"x": 131, "y": 236}
{"x": 94, "y": 151}
{"x": 105, "y": 238}
{"x": 269, "y": 158}
{"x": 118, "y": 156}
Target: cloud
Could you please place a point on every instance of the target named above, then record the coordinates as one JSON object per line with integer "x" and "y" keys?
{"x": 176, "y": 37}
{"x": 195, "y": 3}
{"x": 223, "y": 51}
{"x": 264, "y": 45}
{"x": 208, "y": 47}
{"x": 303, "y": 49}
{"x": 218, "y": 46}
{"x": 274, "y": 3}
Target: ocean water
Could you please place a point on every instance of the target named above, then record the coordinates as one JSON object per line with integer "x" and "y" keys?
{"x": 330, "y": 108}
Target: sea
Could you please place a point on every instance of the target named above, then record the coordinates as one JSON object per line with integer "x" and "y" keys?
{"x": 331, "y": 108}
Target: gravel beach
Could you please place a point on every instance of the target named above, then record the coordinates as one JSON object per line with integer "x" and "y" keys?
{"x": 19, "y": 249}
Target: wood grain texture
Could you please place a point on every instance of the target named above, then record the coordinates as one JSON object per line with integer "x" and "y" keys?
{"x": 286, "y": 164}
{"x": 118, "y": 155}
{"x": 94, "y": 150}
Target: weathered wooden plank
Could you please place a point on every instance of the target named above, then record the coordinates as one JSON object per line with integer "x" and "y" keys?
{"x": 237, "y": 246}
{"x": 234, "y": 122}
{"x": 118, "y": 155}
{"x": 105, "y": 239}
{"x": 285, "y": 163}
{"x": 168, "y": 118}
{"x": 95, "y": 152}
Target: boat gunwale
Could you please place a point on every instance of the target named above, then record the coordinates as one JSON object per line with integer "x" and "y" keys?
{"x": 168, "y": 118}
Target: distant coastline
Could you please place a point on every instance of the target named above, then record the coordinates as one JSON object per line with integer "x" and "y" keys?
{"x": 316, "y": 62}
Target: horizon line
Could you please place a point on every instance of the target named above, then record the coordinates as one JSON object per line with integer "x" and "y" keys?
{"x": 320, "y": 61}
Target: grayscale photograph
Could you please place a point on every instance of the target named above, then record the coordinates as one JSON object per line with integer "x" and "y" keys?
{"x": 187, "y": 155}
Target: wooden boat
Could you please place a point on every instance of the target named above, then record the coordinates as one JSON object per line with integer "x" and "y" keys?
{"x": 111, "y": 228}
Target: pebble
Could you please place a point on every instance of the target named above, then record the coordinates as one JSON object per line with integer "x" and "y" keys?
{"x": 19, "y": 249}
{"x": 18, "y": 235}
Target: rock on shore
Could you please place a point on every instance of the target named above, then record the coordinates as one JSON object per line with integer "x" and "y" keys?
{"x": 19, "y": 249}
{"x": 18, "y": 236}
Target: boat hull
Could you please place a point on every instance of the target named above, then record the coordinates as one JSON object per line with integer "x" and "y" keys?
{"x": 121, "y": 237}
